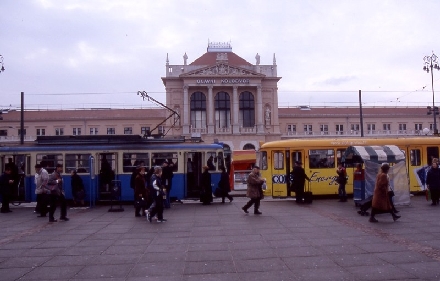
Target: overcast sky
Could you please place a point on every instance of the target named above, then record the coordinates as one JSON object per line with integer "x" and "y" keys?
{"x": 99, "y": 53}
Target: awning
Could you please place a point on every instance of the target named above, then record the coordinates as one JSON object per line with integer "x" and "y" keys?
{"x": 376, "y": 154}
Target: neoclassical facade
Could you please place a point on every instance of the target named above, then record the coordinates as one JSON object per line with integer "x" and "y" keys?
{"x": 222, "y": 96}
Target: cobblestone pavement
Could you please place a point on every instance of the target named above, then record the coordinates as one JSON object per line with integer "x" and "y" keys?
{"x": 327, "y": 240}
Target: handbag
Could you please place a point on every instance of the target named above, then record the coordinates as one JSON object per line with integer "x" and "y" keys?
{"x": 140, "y": 203}
{"x": 428, "y": 194}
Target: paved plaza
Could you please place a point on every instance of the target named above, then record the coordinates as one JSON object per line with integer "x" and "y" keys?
{"x": 327, "y": 240}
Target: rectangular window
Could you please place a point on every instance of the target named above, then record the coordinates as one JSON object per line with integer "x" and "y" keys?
{"x": 296, "y": 156}
{"x": 415, "y": 157}
{"x": 278, "y": 160}
{"x": 145, "y": 130}
{"x": 354, "y": 127}
{"x": 111, "y": 131}
{"x": 93, "y": 131}
{"x": 321, "y": 158}
{"x": 3, "y": 133}
{"x": 131, "y": 160}
{"x": 386, "y": 128}
{"x": 41, "y": 132}
{"x": 76, "y": 131}
{"x": 159, "y": 158}
{"x": 371, "y": 128}
{"x": 59, "y": 131}
{"x": 161, "y": 130}
{"x": 49, "y": 161}
{"x": 402, "y": 128}
{"x": 308, "y": 129}
{"x": 418, "y": 127}
{"x": 128, "y": 130}
{"x": 78, "y": 162}
{"x": 263, "y": 164}
{"x": 291, "y": 128}
{"x": 339, "y": 129}
{"x": 324, "y": 129}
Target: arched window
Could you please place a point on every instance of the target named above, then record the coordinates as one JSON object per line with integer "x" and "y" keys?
{"x": 248, "y": 146}
{"x": 222, "y": 110}
{"x": 247, "y": 109}
{"x": 198, "y": 110}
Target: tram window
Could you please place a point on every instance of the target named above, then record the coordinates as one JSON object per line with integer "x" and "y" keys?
{"x": 321, "y": 158}
{"x": 414, "y": 155}
{"x": 263, "y": 163}
{"x": 212, "y": 161}
{"x": 49, "y": 161}
{"x": 220, "y": 160}
{"x": 432, "y": 152}
{"x": 78, "y": 162}
{"x": 278, "y": 160}
{"x": 160, "y": 157}
{"x": 131, "y": 160}
{"x": 296, "y": 156}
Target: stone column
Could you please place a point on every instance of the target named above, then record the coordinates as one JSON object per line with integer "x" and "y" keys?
{"x": 210, "y": 112}
{"x": 235, "y": 110}
{"x": 185, "y": 111}
{"x": 259, "y": 111}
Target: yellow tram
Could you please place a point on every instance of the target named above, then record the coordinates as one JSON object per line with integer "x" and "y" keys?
{"x": 320, "y": 158}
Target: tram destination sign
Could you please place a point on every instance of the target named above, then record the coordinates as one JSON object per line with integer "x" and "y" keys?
{"x": 223, "y": 81}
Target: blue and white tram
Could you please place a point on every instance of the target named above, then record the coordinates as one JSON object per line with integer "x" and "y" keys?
{"x": 102, "y": 161}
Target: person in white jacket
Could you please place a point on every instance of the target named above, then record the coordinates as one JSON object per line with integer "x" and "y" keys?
{"x": 41, "y": 178}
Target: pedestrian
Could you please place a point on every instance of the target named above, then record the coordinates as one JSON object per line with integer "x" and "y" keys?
{"x": 254, "y": 190}
{"x": 210, "y": 163}
{"x": 342, "y": 181}
{"x": 224, "y": 185}
{"x": 157, "y": 206}
{"x": 167, "y": 178}
{"x": 299, "y": 177}
{"x": 433, "y": 182}
{"x": 77, "y": 186}
{"x": 206, "y": 186}
{"x": 6, "y": 185}
{"x": 140, "y": 192}
{"x": 41, "y": 190}
{"x": 57, "y": 194}
{"x": 381, "y": 202}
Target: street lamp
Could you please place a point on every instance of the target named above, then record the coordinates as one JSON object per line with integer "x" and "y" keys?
{"x": 431, "y": 62}
{"x": 1, "y": 63}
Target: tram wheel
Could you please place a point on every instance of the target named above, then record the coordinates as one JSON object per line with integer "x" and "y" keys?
{"x": 16, "y": 203}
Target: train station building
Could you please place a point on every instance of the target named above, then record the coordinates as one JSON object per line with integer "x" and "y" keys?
{"x": 221, "y": 97}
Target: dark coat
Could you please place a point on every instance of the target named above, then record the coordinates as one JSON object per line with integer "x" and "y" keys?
{"x": 5, "y": 186}
{"x": 299, "y": 177}
{"x": 77, "y": 187}
{"x": 433, "y": 179}
{"x": 224, "y": 183}
{"x": 139, "y": 187}
{"x": 254, "y": 186}
{"x": 206, "y": 187}
{"x": 381, "y": 200}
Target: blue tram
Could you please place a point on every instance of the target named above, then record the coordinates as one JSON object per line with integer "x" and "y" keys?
{"x": 102, "y": 161}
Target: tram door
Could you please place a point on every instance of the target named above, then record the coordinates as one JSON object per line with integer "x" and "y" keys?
{"x": 279, "y": 171}
{"x": 107, "y": 169}
{"x": 21, "y": 172}
{"x": 193, "y": 170}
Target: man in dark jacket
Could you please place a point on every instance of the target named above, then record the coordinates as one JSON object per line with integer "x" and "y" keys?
{"x": 55, "y": 184}
{"x": 298, "y": 176}
{"x": 254, "y": 190}
{"x": 433, "y": 183}
{"x": 6, "y": 183}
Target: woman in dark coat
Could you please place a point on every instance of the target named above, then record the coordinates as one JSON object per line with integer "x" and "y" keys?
{"x": 224, "y": 185}
{"x": 433, "y": 183}
{"x": 140, "y": 192}
{"x": 206, "y": 186}
{"x": 77, "y": 185}
{"x": 381, "y": 201}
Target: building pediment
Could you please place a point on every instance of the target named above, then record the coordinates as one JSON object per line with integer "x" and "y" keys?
{"x": 222, "y": 69}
